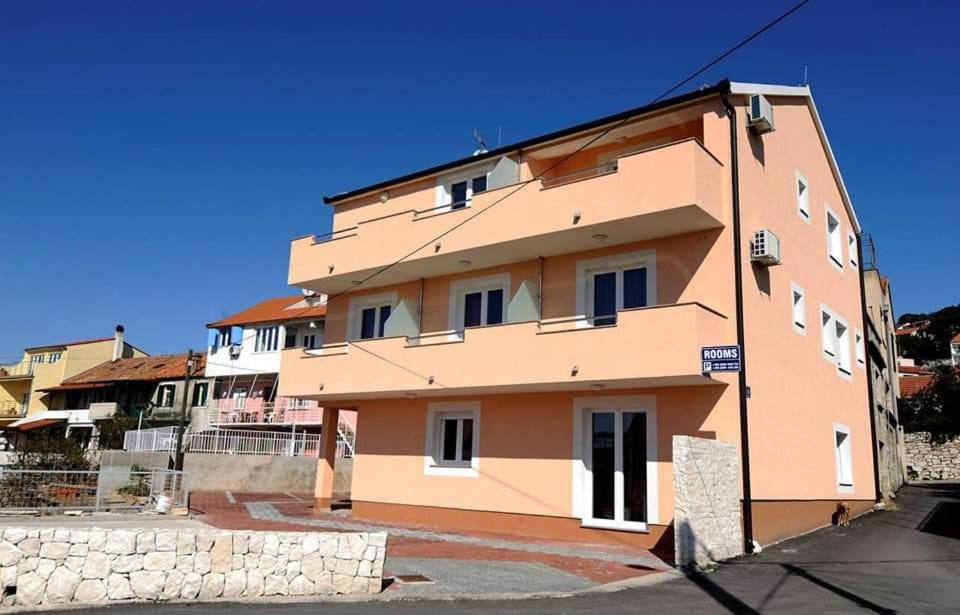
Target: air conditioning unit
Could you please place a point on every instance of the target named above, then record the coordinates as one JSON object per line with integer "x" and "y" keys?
{"x": 765, "y": 248}
{"x": 234, "y": 351}
{"x": 760, "y": 115}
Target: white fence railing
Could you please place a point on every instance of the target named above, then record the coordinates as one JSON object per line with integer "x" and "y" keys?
{"x": 236, "y": 442}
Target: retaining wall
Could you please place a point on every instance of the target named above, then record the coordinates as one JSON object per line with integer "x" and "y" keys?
{"x": 707, "y": 510}
{"x": 59, "y": 566}
{"x": 926, "y": 460}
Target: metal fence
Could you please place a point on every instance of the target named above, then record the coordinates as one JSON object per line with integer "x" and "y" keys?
{"x": 95, "y": 490}
{"x": 236, "y": 442}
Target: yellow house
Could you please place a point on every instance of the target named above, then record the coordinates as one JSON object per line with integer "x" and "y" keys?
{"x": 24, "y": 406}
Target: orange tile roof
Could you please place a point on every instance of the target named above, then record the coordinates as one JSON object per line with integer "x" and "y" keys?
{"x": 955, "y": 339}
{"x": 912, "y": 369}
{"x": 277, "y": 309}
{"x": 912, "y": 385}
{"x": 162, "y": 367}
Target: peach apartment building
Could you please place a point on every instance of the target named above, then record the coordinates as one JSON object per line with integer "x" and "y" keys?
{"x": 520, "y": 331}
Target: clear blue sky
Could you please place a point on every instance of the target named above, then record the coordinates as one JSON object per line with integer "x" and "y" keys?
{"x": 156, "y": 158}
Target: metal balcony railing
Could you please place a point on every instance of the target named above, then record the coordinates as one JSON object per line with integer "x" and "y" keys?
{"x": 23, "y": 369}
{"x": 11, "y": 409}
{"x": 574, "y": 176}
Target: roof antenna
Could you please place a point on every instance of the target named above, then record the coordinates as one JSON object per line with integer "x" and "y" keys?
{"x": 499, "y": 134}
{"x": 804, "y": 84}
{"x": 483, "y": 146}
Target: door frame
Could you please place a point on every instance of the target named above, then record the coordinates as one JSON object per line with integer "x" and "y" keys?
{"x": 583, "y": 408}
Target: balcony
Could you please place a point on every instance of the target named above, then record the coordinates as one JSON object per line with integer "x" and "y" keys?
{"x": 663, "y": 191}
{"x": 11, "y": 409}
{"x": 646, "y": 347}
{"x": 16, "y": 371}
{"x": 256, "y": 411}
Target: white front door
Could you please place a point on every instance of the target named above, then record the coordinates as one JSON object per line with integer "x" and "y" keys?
{"x": 619, "y": 460}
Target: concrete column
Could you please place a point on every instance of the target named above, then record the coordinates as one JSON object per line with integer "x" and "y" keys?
{"x": 323, "y": 491}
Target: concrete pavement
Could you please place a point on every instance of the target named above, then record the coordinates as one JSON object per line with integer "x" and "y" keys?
{"x": 907, "y": 561}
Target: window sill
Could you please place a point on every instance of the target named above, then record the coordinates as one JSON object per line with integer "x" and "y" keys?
{"x": 468, "y": 471}
{"x": 621, "y": 526}
{"x": 846, "y": 489}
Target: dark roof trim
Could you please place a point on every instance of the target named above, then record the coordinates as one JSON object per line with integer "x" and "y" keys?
{"x": 706, "y": 92}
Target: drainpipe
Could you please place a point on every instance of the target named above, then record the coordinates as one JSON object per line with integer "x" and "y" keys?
{"x": 420, "y": 310}
{"x": 868, "y": 366}
{"x": 738, "y": 283}
{"x": 540, "y": 289}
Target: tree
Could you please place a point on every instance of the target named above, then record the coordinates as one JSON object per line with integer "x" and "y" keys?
{"x": 935, "y": 409}
{"x": 51, "y": 451}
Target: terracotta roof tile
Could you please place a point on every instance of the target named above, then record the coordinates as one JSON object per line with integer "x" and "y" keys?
{"x": 955, "y": 339}
{"x": 912, "y": 385}
{"x": 163, "y": 367}
{"x": 277, "y": 309}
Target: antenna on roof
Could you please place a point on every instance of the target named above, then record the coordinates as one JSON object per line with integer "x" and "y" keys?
{"x": 483, "y": 146}
{"x": 499, "y": 134}
{"x": 804, "y": 75}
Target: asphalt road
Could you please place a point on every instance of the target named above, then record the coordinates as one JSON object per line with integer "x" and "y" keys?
{"x": 906, "y": 561}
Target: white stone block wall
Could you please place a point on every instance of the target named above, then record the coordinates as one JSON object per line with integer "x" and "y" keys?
{"x": 707, "y": 515}
{"x": 926, "y": 460}
{"x": 59, "y": 566}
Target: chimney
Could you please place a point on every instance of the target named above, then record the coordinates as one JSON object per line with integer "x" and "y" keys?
{"x": 118, "y": 343}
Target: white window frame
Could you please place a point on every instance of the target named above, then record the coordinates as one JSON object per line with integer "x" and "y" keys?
{"x": 53, "y": 357}
{"x": 798, "y": 314}
{"x": 267, "y": 338}
{"x": 205, "y": 385}
{"x": 852, "y": 249}
{"x": 803, "y": 201}
{"x": 582, "y": 480}
{"x": 444, "y": 191}
{"x": 843, "y": 486}
{"x": 461, "y": 288}
{"x": 843, "y": 345}
{"x": 834, "y": 242}
{"x": 860, "y": 347}
{"x": 586, "y": 269}
{"x": 163, "y": 386}
{"x": 36, "y": 359}
{"x": 358, "y": 304}
{"x": 828, "y": 345}
{"x": 436, "y": 413}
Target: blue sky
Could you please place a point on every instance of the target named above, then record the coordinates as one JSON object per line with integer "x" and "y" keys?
{"x": 156, "y": 158}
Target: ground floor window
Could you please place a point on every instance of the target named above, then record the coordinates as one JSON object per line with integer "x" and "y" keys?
{"x": 843, "y": 456}
{"x": 453, "y": 439}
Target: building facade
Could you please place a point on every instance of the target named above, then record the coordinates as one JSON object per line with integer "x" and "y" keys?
{"x": 884, "y": 380}
{"x": 520, "y": 331}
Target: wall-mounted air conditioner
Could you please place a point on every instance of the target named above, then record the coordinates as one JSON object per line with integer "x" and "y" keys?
{"x": 760, "y": 114}
{"x": 765, "y": 248}
{"x": 234, "y": 351}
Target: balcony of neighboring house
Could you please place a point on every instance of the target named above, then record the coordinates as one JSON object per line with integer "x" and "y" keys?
{"x": 630, "y": 348}
{"x": 17, "y": 371}
{"x": 659, "y": 191}
{"x": 286, "y": 411}
{"x": 12, "y": 409}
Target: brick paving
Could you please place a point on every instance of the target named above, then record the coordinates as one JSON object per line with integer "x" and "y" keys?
{"x": 294, "y": 512}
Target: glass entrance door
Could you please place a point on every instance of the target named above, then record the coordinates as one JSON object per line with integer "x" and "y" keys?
{"x": 616, "y": 468}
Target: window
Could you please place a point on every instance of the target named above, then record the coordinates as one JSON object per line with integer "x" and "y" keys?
{"x": 267, "y": 338}
{"x": 456, "y": 192}
{"x": 453, "y": 437}
{"x": 861, "y": 350}
{"x": 37, "y": 358}
{"x": 834, "y": 241}
{"x": 844, "y": 457}
{"x": 310, "y": 341}
{"x": 608, "y": 285}
{"x": 222, "y": 338}
{"x": 799, "y": 303}
{"x": 803, "y": 198}
{"x": 166, "y": 394}
{"x": 843, "y": 346}
{"x": 479, "y": 301}
{"x": 826, "y": 335}
{"x": 368, "y": 315}
{"x": 852, "y": 249}
{"x": 53, "y": 357}
{"x": 200, "y": 390}
{"x": 290, "y": 337}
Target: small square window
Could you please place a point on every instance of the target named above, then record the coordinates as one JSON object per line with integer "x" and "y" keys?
{"x": 453, "y": 438}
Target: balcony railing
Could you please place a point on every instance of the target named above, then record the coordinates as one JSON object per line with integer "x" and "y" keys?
{"x": 24, "y": 369}
{"x": 235, "y": 442}
{"x": 664, "y": 191}
{"x": 11, "y": 409}
{"x": 256, "y": 411}
{"x": 644, "y": 347}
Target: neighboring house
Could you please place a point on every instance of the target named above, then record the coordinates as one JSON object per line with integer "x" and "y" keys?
{"x": 243, "y": 360}
{"x": 24, "y": 403}
{"x": 882, "y": 356}
{"x": 520, "y": 351}
{"x": 913, "y": 328}
{"x": 955, "y": 350}
{"x": 148, "y": 388}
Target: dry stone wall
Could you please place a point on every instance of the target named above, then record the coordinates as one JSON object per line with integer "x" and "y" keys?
{"x": 926, "y": 460}
{"x": 59, "y": 566}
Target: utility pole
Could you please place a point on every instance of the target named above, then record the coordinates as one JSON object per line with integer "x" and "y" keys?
{"x": 178, "y": 464}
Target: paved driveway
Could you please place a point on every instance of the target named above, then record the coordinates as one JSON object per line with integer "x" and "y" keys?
{"x": 894, "y": 562}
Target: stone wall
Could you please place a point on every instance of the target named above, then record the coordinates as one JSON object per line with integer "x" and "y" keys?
{"x": 58, "y": 566}
{"x": 706, "y": 485}
{"x": 926, "y": 460}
